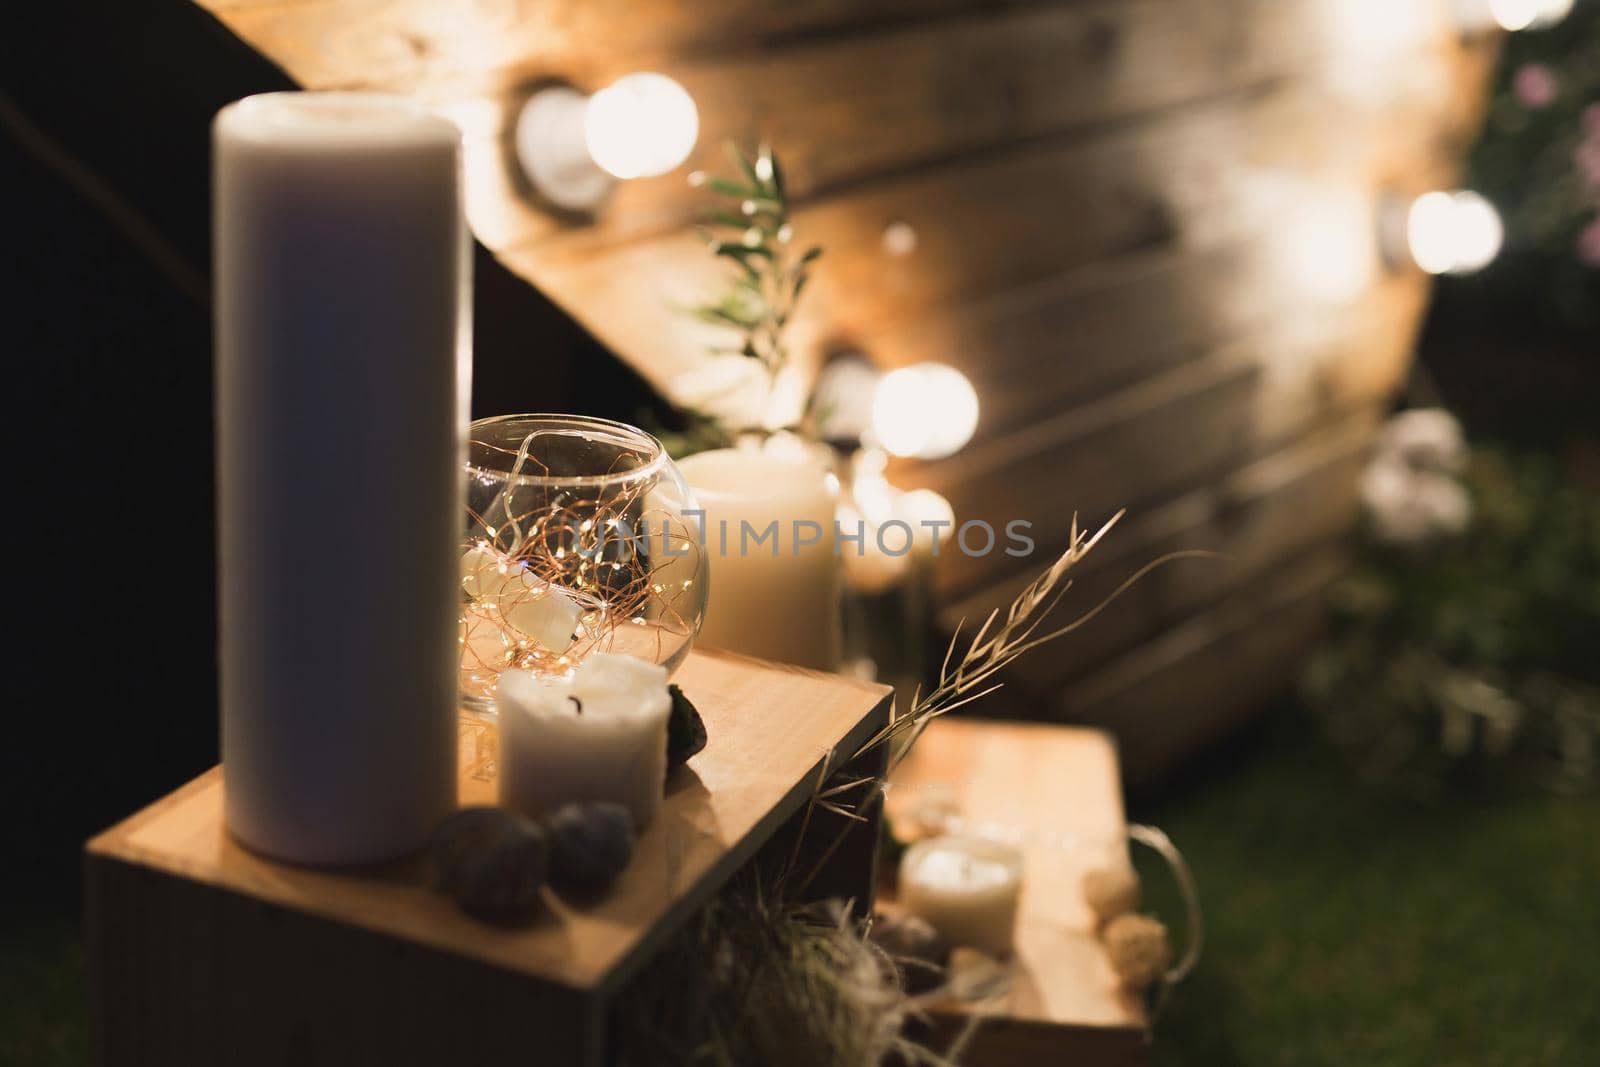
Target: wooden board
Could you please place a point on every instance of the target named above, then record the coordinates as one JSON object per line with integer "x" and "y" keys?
{"x": 1206, "y": 675}
{"x": 1190, "y": 425}
{"x": 1254, "y": 519}
{"x": 773, "y": 732}
{"x": 1058, "y": 788}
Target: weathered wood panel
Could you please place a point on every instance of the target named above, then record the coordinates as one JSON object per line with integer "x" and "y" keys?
{"x": 1190, "y": 685}
{"x": 1246, "y": 166}
{"x": 1144, "y": 230}
{"x": 1183, "y": 427}
{"x": 1253, "y": 519}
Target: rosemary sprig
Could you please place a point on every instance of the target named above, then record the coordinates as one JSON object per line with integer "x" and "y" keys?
{"x": 751, "y": 229}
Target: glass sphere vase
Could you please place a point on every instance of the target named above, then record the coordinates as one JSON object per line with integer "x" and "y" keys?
{"x": 581, "y": 537}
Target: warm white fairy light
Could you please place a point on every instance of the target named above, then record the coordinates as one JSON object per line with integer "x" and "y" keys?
{"x": 1512, "y": 15}
{"x": 1453, "y": 233}
{"x": 928, "y": 410}
{"x": 930, "y": 517}
{"x": 641, "y": 126}
{"x": 574, "y": 148}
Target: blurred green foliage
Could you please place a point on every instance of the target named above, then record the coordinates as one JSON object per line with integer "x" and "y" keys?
{"x": 1465, "y": 658}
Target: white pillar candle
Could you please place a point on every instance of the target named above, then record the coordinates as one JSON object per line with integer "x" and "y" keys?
{"x": 772, "y": 596}
{"x": 966, "y": 888}
{"x": 343, "y": 364}
{"x": 600, "y": 734}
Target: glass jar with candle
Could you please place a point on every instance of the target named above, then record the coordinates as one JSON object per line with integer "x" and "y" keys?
{"x": 581, "y": 537}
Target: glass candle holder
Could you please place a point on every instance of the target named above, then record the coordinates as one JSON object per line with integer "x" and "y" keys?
{"x": 580, "y": 538}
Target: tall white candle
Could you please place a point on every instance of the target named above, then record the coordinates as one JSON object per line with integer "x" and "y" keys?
{"x": 343, "y": 365}
{"x": 599, "y": 735}
{"x": 774, "y": 593}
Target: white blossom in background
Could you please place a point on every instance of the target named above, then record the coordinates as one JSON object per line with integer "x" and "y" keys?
{"x": 1428, "y": 439}
{"x": 1409, "y": 490}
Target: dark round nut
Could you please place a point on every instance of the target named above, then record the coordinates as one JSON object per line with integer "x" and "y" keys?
{"x": 686, "y": 730}
{"x": 468, "y": 831}
{"x": 493, "y": 862}
{"x": 590, "y": 845}
{"x": 501, "y": 884}
{"x": 919, "y": 952}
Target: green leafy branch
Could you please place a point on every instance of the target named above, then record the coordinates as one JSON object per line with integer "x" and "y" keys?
{"x": 751, "y": 229}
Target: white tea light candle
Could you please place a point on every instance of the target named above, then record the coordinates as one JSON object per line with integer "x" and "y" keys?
{"x": 775, "y": 578}
{"x": 343, "y": 363}
{"x": 966, "y": 888}
{"x": 599, "y": 735}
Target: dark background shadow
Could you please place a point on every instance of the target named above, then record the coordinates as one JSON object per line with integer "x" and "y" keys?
{"x": 105, "y": 118}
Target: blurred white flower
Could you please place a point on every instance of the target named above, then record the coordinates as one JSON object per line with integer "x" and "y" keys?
{"x": 1445, "y": 503}
{"x": 1425, "y": 439}
{"x": 1388, "y": 494}
{"x": 1408, "y": 506}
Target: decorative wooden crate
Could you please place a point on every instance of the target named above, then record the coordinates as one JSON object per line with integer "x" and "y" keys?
{"x": 201, "y": 952}
{"x": 1058, "y": 788}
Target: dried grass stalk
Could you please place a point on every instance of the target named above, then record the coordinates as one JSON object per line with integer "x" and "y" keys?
{"x": 760, "y": 978}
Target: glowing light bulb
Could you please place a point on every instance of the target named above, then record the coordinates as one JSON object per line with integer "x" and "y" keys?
{"x": 928, "y": 410}
{"x": 640, "y": 126}
{"x": 930, "y": 517}
{"x": 1453, "y": 233}
{"x": 573, "y": 148}
{"x": 1552, "y": 12}
{"x": 1514, "y": 15}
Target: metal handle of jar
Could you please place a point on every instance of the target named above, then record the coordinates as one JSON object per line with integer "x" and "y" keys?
{"x": 1194, "y": 928}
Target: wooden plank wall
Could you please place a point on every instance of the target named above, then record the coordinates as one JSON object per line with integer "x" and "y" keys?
{"x": 1143, "y": 229}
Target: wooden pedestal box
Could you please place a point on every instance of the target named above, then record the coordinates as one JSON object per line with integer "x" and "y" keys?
{"x": 1056, "y": 789}
{"x": 203, "y": 953}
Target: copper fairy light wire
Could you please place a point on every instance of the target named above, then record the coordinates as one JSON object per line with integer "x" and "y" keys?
{"x": 596, "y": 547}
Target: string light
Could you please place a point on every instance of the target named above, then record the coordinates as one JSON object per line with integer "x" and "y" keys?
{"x": 1512, "y": 15}
{"x": 1452, "y": 233}
{"x": 574, "y": 148}
{"x": 928, "y": 410}
{"x": 641, "y": 126}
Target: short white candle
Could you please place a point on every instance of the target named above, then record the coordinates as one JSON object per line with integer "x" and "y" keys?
{"x": 966, "y": 888}
{"x": 600, "y": 734}
{"x": 776, "y": 600}
{"x": 343, "y": 363}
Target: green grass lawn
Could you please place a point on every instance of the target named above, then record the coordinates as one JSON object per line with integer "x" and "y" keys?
{"x": 41, "y": 994}
{"x": 1344, "y": 928}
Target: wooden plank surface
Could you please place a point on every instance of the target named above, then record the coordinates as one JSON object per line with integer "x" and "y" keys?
{"x": 1022, "y": 75}
{"x": 1183, "y": 427}
{"x": 1055, "y": 790}
{"x": 1278, "y": 507}
{"x": 772, "y": 729}
{"x": 1206, "y": 675}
